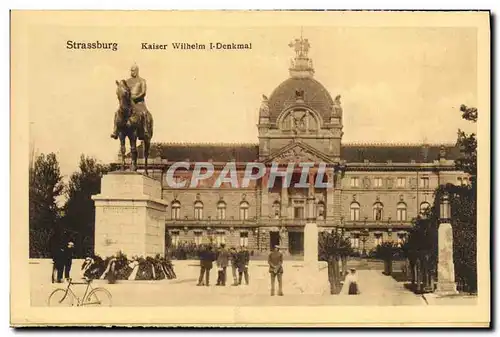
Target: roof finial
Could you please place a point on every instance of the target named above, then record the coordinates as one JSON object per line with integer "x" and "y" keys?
{"x": 301, "y": 65}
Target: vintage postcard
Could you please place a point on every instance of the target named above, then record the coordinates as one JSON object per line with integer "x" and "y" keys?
{"x": 260, "y": 168}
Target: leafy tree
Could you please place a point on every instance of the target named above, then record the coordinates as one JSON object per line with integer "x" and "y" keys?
{"x": 422, "y": 241}
{"x": 387, "y": 251}
{"x": 45, "y": 186}
{"x": 333, "y": 248}
{"x": 79, "y": 209}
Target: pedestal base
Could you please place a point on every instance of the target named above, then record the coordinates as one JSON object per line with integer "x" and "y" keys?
{"x": 130, "y": 216}
{"x": 312, "y": 279}
{"x": 446, "y": 289}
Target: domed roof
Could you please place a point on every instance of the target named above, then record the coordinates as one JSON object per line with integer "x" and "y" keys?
{"x": 315, "y": 95}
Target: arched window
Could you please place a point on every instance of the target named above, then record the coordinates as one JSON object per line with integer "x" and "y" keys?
{"x": 401, "y": 211}
{"x": 221, "y": 210}
{"x": 321, "y": 210}
{"x": 355, "y": 211}
{"x": 424, "y": 208}
{"x": 176, "y": 210}
{"x": 198, "y": 210}
{"x": 244, "y": 206}
{"x": 276, "y": 209}
{"x": 378, "y": 209}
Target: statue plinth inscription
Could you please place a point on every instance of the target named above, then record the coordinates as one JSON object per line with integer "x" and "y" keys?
{"x": 130, "y": 216}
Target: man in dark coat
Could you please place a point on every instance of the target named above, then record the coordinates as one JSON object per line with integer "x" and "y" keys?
{"x": 65, "y": 261}
{"x": 222, "y": 263}
{"x": 207, "y": 256}
{"x": 275, "y": 261}
{"x": 242, "y": 264}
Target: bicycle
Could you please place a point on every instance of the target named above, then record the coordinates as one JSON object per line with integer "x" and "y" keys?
{"x": 66, "y": 297}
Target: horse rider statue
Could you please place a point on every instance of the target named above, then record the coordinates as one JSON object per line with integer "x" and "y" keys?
{"x": 137, "y": 87}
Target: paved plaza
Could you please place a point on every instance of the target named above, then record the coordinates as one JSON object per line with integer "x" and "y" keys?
{"x": 376, "y": 288}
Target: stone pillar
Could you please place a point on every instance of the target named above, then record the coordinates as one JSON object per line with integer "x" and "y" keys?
{"x": 284, "y": 201}
{"x": 311, "y": 244}
{"x": 311, "y": 234}
{"x": 446, "y": 269}
{"x": 264, "y": 205}
{"x": 329, "y": 194}
{"x": 130, "y": 215}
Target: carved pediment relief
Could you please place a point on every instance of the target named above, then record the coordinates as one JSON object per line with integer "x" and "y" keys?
{"x": 296, "y": 155}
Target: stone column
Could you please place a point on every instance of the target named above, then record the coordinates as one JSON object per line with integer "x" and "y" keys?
{"x": 329, "y": 194}
{"x": 130, "y": 216}
{"x": 284, "y": 201}
{"x": 311, "y": 244}
{"x": 311, "y": 234}
{"x": 446, "y": 269}
{"x": 264, "y": 205}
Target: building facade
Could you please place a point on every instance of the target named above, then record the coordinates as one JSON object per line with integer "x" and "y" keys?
{"x": 377, "y": 189}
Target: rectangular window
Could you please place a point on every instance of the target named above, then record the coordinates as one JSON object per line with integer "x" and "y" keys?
{"x": 401, "y": 182}
{"x": 175, "y": 238}
{"x": 401, "y": 214}
{"x": 244, "y": 213}
{"x": 354, "y": 214}
{"x": 377, "y": 182}
{"x": 176, "y": 213}
{"x": 220, "y": 237}
{"x": 378, "y": 239}
{"x": 354, "y": 182}
{"x": 354, "y": 241}
{"x": 424, "y": 182}
{"x": 244, "y": 239}
{"x": 221, "y": 213}
{"x": 198, "y": 213}
{"x": 198, "y": 237}
{"x": 298, "y": 213}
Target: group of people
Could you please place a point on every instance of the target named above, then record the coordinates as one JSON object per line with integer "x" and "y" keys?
{"x": 239, "y": 260}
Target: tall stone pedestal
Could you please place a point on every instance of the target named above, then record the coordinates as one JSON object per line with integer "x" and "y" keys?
{"x": 312, "y": 278}
{"x": 130, "y": 216}
{"x": 446, "y": 269}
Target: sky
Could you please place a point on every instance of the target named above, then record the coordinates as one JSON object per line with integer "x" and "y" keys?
{"x": 397, "y": 84}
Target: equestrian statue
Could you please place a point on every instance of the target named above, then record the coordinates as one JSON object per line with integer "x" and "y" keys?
{"x": 132, "y": 119}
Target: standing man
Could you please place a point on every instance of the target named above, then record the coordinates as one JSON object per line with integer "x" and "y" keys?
{"x": 138, "y": 88}
{"x": 222, "y": 262}
{"x": 234, "y": 264}
{"x": 275, "y": 261}
{"x": 65, "y": 261}
{"x": 243, "y": 260}
{"x": 207, "y": 257}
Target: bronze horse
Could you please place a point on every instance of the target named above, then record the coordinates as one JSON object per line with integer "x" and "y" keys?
{"x": 130, "y": 124}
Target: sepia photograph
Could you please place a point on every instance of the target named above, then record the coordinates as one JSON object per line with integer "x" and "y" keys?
{"x": 251, "y": 168}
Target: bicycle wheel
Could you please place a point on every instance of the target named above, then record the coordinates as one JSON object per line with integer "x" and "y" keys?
{"x": 98, "y": 297}
{"x": 60, "y": 298}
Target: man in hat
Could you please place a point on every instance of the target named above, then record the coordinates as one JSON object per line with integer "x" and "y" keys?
{"x": 242, "y": 263}
{"x": 234, "y": 264}
{"x": 222, "y": 263}
{"x": 65, "y": 262}
{"x": 275, "y": 261}
{"x": 207, "y": 256}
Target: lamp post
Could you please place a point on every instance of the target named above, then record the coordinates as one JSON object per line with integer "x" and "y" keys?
{"x": 446, "y": 270}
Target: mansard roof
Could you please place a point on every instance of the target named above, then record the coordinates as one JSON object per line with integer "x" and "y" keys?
{"x": 350, "y": 152}
{"x": 397, "y": 153}
{"x": 216, "y": 152}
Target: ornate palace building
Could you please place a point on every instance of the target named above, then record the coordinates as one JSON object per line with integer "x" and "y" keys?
{"x": 377, "y": 188}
